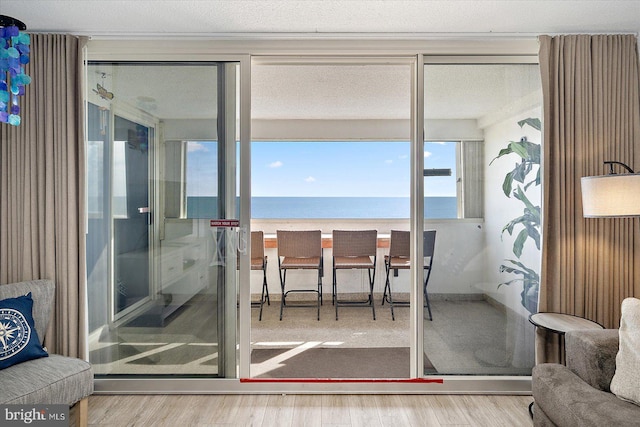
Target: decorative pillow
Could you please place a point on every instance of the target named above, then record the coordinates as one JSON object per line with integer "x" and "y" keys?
{"x": 19, "y": 340}
{"x": 627, "y": 376}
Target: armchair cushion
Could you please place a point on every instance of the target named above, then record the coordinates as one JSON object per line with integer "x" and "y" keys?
{"x": 42, "y": 293}
{"x": 591, "y": 354}
{"x": 49, "y": 380}
{"x": 564, "y": 399}
{"x": 627, "y": 376}
{"x": 19, "y": 340}
{"x": 45, "y": 380}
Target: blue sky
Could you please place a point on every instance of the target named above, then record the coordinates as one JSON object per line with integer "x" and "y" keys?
{"x": 326, "y": 169}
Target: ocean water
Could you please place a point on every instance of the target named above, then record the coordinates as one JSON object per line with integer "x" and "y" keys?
{"x": 328, "y": 207}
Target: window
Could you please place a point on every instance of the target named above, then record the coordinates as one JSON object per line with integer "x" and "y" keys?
{"x": 119, "y": 186}
{"x": 202, "y": 179}
{"x": 95, "y": 178}
{"x": 350, "y": 179}
{"x": 330, "y": 179}
{"x": 440, "y": 179}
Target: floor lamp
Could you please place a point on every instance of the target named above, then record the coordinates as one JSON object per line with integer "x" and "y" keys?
{"x": 611, "y": 196}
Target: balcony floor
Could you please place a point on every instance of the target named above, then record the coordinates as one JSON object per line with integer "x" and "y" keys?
{"x": 466, "y": 337}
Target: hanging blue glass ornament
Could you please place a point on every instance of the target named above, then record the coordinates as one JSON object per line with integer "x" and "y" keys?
{"x": 14, "y": 120}
{"x": 14, "y": 54}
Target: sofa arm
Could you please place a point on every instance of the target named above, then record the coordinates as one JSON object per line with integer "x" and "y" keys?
{"x": 591, "y": 354}
{"x": 563, "y": 399}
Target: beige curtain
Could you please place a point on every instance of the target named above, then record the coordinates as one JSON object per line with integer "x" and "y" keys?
{"x": 42, "y": 187}
{"x": 591, "y": 114}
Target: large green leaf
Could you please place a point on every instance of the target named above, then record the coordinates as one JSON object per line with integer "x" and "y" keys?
{"x": 520, "y": 195}
{"x": 527, "y": 150}
{"x": 530, "y": 230}
{"x": 518, "y": 244}
{"x": 529, "y": 220}
{"x": 529, "y": 154}
{"x": 533, "y": 122}
{"x": 530, "y": 283}
{"x": 533, "y": 233}
{"x": 520, "y": 148}
{"x": 519, "y": 268}
{"x": 507, "y": 184}
{"x": 520, "y": 172}
{"x": 534, "y": 182}
{"x": 511, "y": 224}
{"x": 502, "y": 152}
{"x": 529, "y": 272}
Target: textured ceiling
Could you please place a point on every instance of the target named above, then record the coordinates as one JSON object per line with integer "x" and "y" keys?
{"x": 330, "y": 91}
{"x": 384, "y": 91}
{"x": 152, "y": 17}
{"x": 164, "y": 91}
{"x": 478, "y": 91}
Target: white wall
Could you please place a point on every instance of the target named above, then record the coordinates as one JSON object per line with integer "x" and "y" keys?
{"x": 376, "y": 130}
{"x": 196, "y": 129}
{"x": 303, "y": 130}
{"x": 458, "y": 261}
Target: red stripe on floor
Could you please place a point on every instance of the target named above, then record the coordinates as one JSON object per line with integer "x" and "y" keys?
{"x": 343, "y": 380}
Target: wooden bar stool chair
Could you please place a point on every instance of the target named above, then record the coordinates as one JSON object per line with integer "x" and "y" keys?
{"x": 355, "y": 250}
{"x": 259, "y": 262}
{"x": 299, "y": 250}
{"x": 399, "y": 259}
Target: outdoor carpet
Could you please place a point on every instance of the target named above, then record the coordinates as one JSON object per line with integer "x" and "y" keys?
{"x": 322, "y": 362}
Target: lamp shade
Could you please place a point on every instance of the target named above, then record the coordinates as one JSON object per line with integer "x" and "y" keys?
{"x": 616, "y": 195}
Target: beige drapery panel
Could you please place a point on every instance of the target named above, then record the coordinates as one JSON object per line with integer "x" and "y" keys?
{"x": 42, "y": 187}
{"x": 591, "y": 114}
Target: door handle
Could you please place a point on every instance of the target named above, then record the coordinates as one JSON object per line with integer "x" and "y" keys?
{"x": 242, "y": 240}
{"x": 146, "y": 210}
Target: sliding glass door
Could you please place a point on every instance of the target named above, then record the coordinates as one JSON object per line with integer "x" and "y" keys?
{"x": 169, "y": 210}
{"x": 163, "y": 225}
{"x": 331, "y": 152}
{"x": 482, "y": 215}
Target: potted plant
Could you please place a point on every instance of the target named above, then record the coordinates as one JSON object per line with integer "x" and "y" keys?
{"x": 529, "y": 222}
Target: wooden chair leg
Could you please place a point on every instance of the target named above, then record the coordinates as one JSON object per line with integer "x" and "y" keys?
{"x": 82, "y": 413}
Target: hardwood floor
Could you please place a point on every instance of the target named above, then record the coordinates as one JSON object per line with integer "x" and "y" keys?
{"x": 308, "y": 410}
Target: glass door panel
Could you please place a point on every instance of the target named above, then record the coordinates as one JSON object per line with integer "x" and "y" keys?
{"x": 484, "y": 215}
{"x": 160, "y": 271}
{"x": 130, "y": 213}
{"x": 331, "y": 152}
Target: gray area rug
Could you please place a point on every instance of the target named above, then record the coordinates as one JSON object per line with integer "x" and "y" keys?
{"x": 321, "y": 362}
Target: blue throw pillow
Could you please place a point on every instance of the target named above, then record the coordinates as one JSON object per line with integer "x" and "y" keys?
{"x": 19, "y": 340}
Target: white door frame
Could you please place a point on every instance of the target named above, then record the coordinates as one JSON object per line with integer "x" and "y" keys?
{"x": 241, "y": 50}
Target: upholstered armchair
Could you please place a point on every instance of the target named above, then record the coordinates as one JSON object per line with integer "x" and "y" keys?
{"x": 579, "y": 393}
{"x": 46, "y": 378}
